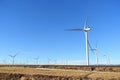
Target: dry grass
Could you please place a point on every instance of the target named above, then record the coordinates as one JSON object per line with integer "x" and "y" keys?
{"x": 67, "y": 73}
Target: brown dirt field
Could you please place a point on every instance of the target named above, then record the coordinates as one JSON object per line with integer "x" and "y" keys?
{"x": 21, "y": 73}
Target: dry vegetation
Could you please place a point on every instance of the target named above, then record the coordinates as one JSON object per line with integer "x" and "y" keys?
{"x": 56, "y": 74}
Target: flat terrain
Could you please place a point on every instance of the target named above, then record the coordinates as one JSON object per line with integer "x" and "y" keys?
{"x": 73, "y": 74}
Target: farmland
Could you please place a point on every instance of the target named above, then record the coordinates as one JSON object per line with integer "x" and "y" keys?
{"x": 43, "y": 72}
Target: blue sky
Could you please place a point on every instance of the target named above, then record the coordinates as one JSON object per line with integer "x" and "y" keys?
{"x": 35, "y": 28}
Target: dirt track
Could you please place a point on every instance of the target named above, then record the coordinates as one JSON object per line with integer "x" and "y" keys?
{"x": 21, "y": 73}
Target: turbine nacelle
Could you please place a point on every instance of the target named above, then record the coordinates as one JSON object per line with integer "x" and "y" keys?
{"x": 87, "y": 29}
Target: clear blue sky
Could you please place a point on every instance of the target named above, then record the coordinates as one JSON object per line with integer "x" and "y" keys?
{"x": 35, "y": 28}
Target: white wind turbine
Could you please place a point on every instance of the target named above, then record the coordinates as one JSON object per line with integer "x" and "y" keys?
{"x": 36, "y": 60}
{"x": 95, "y": 50}
{"x": 13, "y": 57}
{"x": 107, "y": 59}
{"x": 85, "y": 30}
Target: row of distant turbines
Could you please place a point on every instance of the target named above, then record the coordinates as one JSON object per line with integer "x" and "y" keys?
{"x": 86, "y": 29}
{"x": 66, "y": 62}
{"x": 13, "y": 59}
{"x": 95, "y": 50}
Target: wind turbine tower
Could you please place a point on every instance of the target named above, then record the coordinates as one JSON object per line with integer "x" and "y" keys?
{"x": 86, "y": 29}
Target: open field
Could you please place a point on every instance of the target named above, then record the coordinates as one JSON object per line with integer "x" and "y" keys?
{"x": 104, "y": 68}
{"x": 26, "y": 73}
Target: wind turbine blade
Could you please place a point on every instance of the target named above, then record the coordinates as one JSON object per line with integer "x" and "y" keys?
{"x": 10, "y": 55}
{"x": 85, "y": 24}
{"x": 16, "y": 54}
{"x": 76, "y": 29}
{"x": 91, "y": 47}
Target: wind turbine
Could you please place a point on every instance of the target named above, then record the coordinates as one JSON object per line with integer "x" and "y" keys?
{"x": 107, "y": 59}
{"x": 36, "y": 60}
{"x": 85, "y": 30}
{"x": 55, "y": 61}
{"x": 95, "y": 50}
{"x": 49, "y": 61}
{"x": 13, "y": 57}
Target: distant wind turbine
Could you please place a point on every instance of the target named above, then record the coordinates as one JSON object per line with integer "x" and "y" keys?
{"x": 55, "y": 61}
{"x": 107, "y": 59}
{"x": 13, "y": 58}
{"x": 49, "y": 60}
{"x": 95, "y": 50}
{"x": 36, "y": 60}
{"x": 85, "y": 30}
